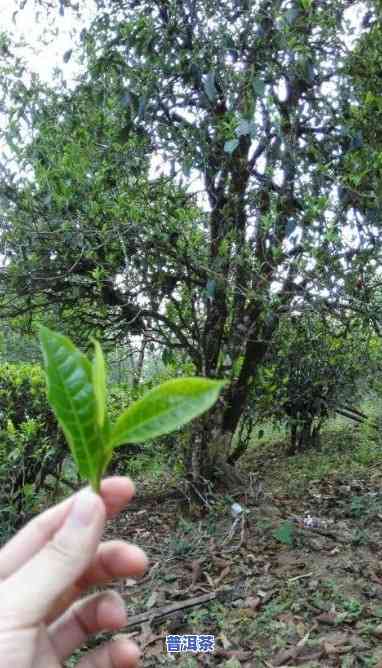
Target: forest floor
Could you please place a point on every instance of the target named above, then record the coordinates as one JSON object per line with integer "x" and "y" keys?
{"x": 294, "y": 580}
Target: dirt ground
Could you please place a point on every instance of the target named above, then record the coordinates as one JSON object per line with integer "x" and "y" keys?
{"x": 294, "y": 579}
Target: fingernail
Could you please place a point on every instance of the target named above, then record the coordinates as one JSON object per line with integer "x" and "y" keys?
{"x": 139, "y": 557}
{"x": 113, "y": 600}
{"x": 83, "y": 509}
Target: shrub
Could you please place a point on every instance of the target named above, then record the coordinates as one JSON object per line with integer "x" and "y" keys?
{"x": 31, "y": 445}
{"x": 314, "y": 368}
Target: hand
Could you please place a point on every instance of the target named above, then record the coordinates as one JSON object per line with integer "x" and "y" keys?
{"x": 48, "y": 565}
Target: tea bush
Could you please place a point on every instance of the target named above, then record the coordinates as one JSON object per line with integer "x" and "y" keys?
{"x": 31, "y": 445}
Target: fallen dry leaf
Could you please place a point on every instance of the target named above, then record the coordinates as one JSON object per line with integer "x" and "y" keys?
{"x": 308, "y": 656}
{"x": 327, "y": 618}
{"x": 377, "y": 632}
{"x": 284, "y": 656}
{"x": 253, "y": 602}
{"x": 219, "y": 562}
{"x": 301, "y": 630}
{"x": 286, "y": 618}
{"x": 152, "y": 600}
{"x": 146, "y": 634}
{"x": 222, "y": 575}
{"x": 130, "y": 582}
{"x": 225, "y": 642}
{"x": 238, "y": 654}
{"x": 196, "y": 568}
{"x": 335, "y": 638}
{"x": 333, "y": 650}
{"x": 209, "y": 579}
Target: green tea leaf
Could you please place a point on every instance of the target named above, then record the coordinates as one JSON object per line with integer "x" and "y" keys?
{"x": 285, "y": 533}
{"x": 67, "y": 55}
{"x": 211, "y": 286}
{"x": 209, "y": 86}
{"x": 231, "y": 145}
{"x": 164, "y": 409}
{"x": 99, "y": 382}
{"x": 290, "y": 227}
{"x": 244, "y": 128}
{"x": 72, "y": 397}
{"x": 259, "y": 87}
{"x": 291, "y": 15}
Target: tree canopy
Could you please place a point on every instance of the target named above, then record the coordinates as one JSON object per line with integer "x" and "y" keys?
{"x": 270, "y": 110}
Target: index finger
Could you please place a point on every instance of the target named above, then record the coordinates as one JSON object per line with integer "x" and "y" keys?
{"x": 116, "y": 492}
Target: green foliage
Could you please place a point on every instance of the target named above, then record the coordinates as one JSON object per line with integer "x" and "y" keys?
{"x": 31, "y": 447}
{"x": 317, "y": 365}
{"x": 76, "y": 400}
{"x": 16, "y": 347}
{"x": 231, "y": 145}
{"x": 370, "y": 430}
{"x": 285, "y": 533}
{"x": 118, "y": 252}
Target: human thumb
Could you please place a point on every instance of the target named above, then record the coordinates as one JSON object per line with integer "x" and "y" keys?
{"x": 29, "y": 594}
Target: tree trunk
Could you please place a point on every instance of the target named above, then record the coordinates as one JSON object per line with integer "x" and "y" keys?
{"x": 207, "y": 452}
{"x": 293, "y": 439}
{"x": 303, "y": 435}
{"x": 244, "y": 437}
{"x": 209, "y": 443}
{"x": 137, "y": 376}
{"x": 316, "y": 436}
